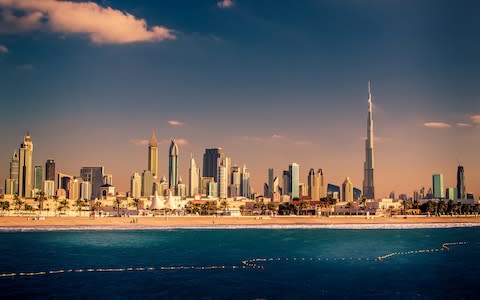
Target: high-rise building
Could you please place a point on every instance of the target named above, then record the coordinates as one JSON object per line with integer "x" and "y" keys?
{"x": 153, "y": 155}
{"x": 162, "y": 188}
{"x": 63, "y": 181}
{"x": 357, "y": 194}
{"x": 85, "y": 190}
{"x": 451, "y": 193}
{"x": 222, "y": 181}
{"x": 302, "y": 189}
{"x": 49, "y": 188}
{"x": 147, "y": 183}
{"x": 314, "y": 185}
{"x": 181, "y": 188}
{"x": 193, "y": 177}
{"x": 11, "y": 184}
{"x": 347, "y": 190}
{"x": 286, "y": 188}
{"x": 74, "y": 189}
{"x": 95, "y": 176}
{"x": 322, "y": 185}
{"x": 438, "y": 191}
{"x": 368, "y": 179}
{"x": 50, "y": 170}
{"x": 205, "y": 183}
{"x": 38, "y": 179}
{"x": 333, "y": 191}
{"x": 294, "y": 171}
{"x": 173, "y": 166}
{"x": 136, "y": 186}
{"x": 461, "y": 190}
{"x": 25, "y": 174}
{"x": 271, "y": 176}
{"x": 211, "y": 160}
{"x": 245, "y": 182}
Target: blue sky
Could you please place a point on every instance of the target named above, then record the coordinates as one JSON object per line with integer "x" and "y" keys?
{"x": 270, "y": 81}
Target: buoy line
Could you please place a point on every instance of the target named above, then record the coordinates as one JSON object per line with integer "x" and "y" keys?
{"x": 254, "y": 263}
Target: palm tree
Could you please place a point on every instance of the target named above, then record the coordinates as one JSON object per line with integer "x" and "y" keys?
{"x": 17, "y": 201}
{"x": 116, "y": 204}
{"x": 63, "y": 205}
{"x": 55, "y": 200}
{"x": 135, "y": 203}
{"x": 79, "y": 204}
{"x": 97, "y": 206}
{"x": 40, "y": 198}
{"x": 5, "y": 205}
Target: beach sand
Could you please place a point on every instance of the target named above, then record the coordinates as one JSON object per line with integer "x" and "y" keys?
{"x": 210, "y": 221}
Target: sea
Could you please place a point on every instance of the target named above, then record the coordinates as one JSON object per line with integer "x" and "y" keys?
{"x": 280, "y": 263}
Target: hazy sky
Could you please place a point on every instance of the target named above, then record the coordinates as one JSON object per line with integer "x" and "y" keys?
{"x": 271, "y": 82}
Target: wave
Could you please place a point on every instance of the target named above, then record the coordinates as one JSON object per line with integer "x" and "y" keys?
{"x": 223, "y": 227}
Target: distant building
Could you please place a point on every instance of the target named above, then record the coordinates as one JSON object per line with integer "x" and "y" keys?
{"x": 245, "y": 183}
{"x": 63, "y": 181}
{"x": 38, "y": 179}
{"x": 322, "y": 184}
{"x": 50, "y": 170}
{"x": 451, "y": 193}
{"x": 136, "y": 186}
{"x": 211, "y": 160}
{"x": 368, "y": 177}
{"x": 147, "y": 183}
{"x": 193, "y": 178}
{"x": 271, "y": 176}
{"x": 333, "y": 191}
{"x": 94, "y": 175}
{"x": 205, "y": 183}
{"x": 181, "y": 188}
{"x": 49, "y": 188}
{"x": 25, "y": 174}
{"x": 347, "y": 190}
{"x": 357, "y": 194}
{"x": 153, "y": 155}
{"x": 173, "y": 166}
{"x": 461, "y": 189}
{"x": 85, "y": 190}
{"x": 438, "y": 191}
{"x": 11, "y": 184}
{"x": 222, "y": 181}
{"x": 294, "y": 172}
{"x": 286, "y": 188}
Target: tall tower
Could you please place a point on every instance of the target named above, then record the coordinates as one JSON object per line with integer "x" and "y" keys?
{"x": 173, "y": 166}
{"x": 368, "y": 185}
{"x": 153, "y": 155}
{"x": 460, "y": 183}
{"x": 25, "y": 175}
{"x": 347, "y": 190}
{"x": 294, "y": 170}
{"x": 193, "y": 178}
{"x": 50, "y": 170}
{"x": 211, "y": 161}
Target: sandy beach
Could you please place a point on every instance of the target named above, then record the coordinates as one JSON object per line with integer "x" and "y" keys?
{"x": 210, "y": 221}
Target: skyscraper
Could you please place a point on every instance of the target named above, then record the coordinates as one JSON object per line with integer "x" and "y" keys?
{"x": 153, "y": 155}
{"x": 211, "y": 160}
{"x": 147, "y": 184}
{"x": 50, "y": 170}
{"x": 286, "y": 188}
{"x": 222, "y": 181}
{"x": 95, "y": 176}
{"x": 173, "y": 166}
{"x": 461, "y": 189}
{"x": 193, "y": 177}
{"x": 245, "y": 182}
{"x": 270, "y": 182}
{"x": 322, "y": 186}
{"x": 368, "y": 179}
{"x": 136, "y": 186}
{"x": 294, "y": 170}
{"x": 438, "y": 191}
{"x": 313, "y": 185}
{"x": 236, "y": 182}
{"x": 38, "y": 179}
{"x": 11, "y": 184}
{"x": 25, "y": 175}
{"x": 347, "y": 190}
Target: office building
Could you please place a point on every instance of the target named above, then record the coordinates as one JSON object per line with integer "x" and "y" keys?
{"x": 94, "y": 175}
{"x": 136, "y": 186}
{"x": 153, "y": 155}
{"x": 294, "y": 172}
{"x": 173, "y": 166}
{"x": 25, "y": 174}
{"x": 193, "y": 178}
{"x": 147, "y": 184}
{"x": 50, "y": 170}
{"x": 347, "y": 190}
{"x": 38, "y": 179}
{"x": 211, "y": 160}
{"x": 461, "y": 190}
{"x": 438, "y": 191}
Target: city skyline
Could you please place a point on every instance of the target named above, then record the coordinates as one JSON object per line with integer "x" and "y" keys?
{"x": 267, "y": 99}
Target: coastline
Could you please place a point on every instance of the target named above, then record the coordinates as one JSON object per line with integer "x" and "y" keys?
{"x": 245, "y": 222}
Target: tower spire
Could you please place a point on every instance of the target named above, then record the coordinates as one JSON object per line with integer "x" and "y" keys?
{"x": 368, "y": 179}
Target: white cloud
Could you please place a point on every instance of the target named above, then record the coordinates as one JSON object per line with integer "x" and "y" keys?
{"x": 137, "y": 142}
{"x": 175, "y": 123}
{"x": 437, "y": 125}
{"x": 225, "y": 3}
{"x": 3, "y": 49}
{"x": 475, "y": 119}
{"x": 103, "y": 25}
{"x": 463, "y": 125}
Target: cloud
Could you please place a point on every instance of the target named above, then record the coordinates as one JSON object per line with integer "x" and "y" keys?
{"x": 103, "y": 25}
{"x": 437, "y": 125}
{"x": 277, "y": 136}
{"x": 475, "y": 119}
{"x": 3, "y": 49}
{"x": 175, "y": 123}
{"x": 463, "y": 125}
{"x": 180, "y": 142}
{"x": 137, "y": 142}
{"x": 26, "y": 67}
{"x": 225, "y": 3}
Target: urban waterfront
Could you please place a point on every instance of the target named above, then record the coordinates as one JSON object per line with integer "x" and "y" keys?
{"x": 282, "y": 264}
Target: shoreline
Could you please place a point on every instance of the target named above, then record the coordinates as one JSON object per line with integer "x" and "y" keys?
{"x": 27, "y": 224}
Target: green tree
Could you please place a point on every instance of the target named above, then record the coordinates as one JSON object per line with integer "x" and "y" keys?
{"x": 40, "y": 198}
{"x": 116, "y": 204}
{"x": 17, "y": 202}
{"x": 63, "y": 205}
{"x": 5, "y": 205}
{"x": 135, "y": 203}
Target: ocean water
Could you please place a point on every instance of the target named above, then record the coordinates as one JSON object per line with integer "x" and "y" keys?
{"x": 299, "y": 264}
